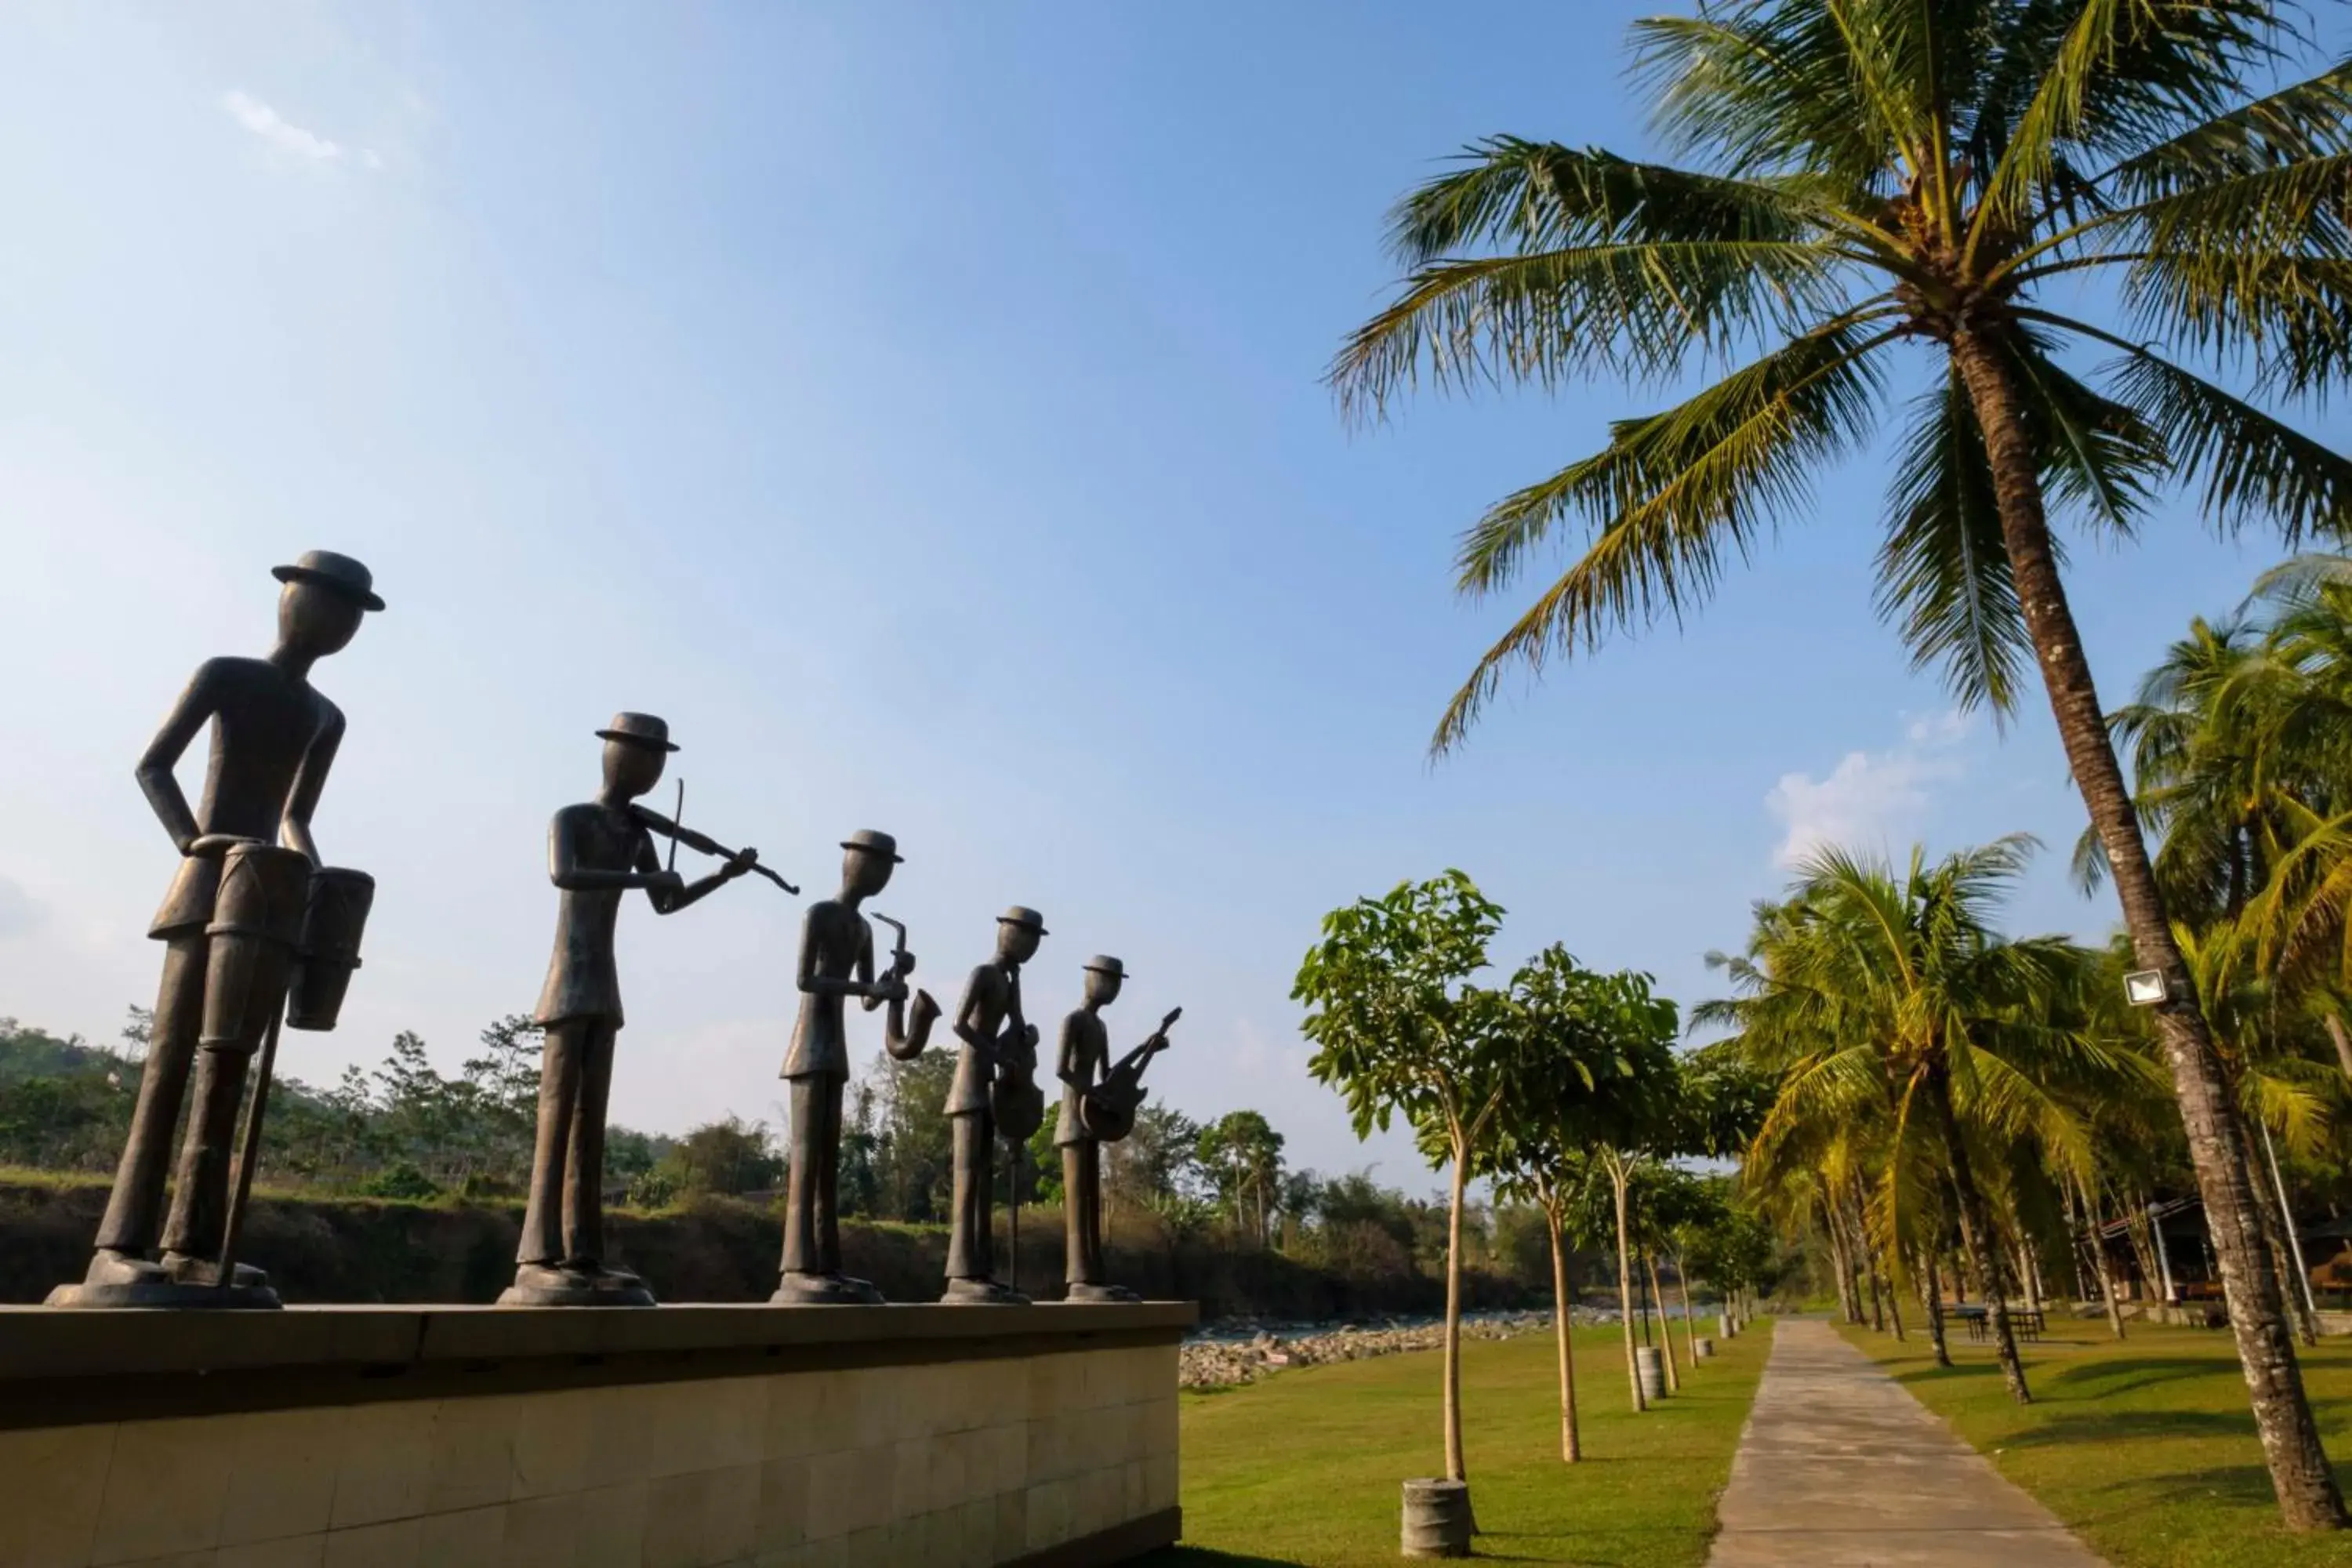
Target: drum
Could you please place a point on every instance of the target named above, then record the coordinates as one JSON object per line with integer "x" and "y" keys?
{"x": 330, "y": 947}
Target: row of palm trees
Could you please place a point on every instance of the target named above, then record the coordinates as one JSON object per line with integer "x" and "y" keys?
{"x": 1984, "y": 189}
{"x": 1948, "y": 1090}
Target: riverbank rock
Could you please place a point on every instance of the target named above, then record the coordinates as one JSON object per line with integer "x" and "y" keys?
{"x": 1231, "y": 1352}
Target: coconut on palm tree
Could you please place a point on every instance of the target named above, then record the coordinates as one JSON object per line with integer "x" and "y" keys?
{"x": 1871, "y": 183}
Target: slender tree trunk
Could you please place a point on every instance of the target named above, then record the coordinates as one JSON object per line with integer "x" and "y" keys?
{"x": 2029, "y": 1278}
{"x": 1666, "y": 1324}
{"x": 1570, "y": 1450}
{"x": 2270, "y": 1203}
{"x": 1455, "y": 1469}
{"x": 1934, "y": 1291}
{"x": 2307, "y": 1493}
{"x": 1976, "y": 1237}
{"x": 1625, "y": 1286}
{"x": 1690, "y": 1327}
{"x": 1894, "y": 1304}
{"x": 1833, "y": 1227}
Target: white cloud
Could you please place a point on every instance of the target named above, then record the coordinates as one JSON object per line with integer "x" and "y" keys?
{"x": 1870, "y": 799}
{"x": 303, "y": 145}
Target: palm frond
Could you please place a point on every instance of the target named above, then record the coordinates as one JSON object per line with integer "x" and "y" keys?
{"x": 1670, "y": 497}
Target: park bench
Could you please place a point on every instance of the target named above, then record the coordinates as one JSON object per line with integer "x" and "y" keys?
{"x": 2026, "y": 1322}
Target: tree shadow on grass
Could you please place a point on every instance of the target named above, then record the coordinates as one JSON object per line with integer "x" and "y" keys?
{"x": 2089, "y": 1428}
{"x": 1203, "y": 1557}
{"x": 2124, "y": 1374}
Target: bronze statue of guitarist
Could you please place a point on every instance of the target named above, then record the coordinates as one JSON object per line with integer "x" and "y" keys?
{"x": 1098, "y": 1101}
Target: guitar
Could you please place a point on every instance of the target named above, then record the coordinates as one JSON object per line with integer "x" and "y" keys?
{"x": 1015, "y": 1099}
{"x": 1107, "y": 1109}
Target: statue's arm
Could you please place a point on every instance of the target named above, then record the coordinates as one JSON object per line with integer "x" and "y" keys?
{"x": 189, "y": 715}
{"x": 669, "y": 894}
{"x": 972, "y": 1014}
{"x": 1072, "y": 1067}
{"x": 564, "y": 870}
{"x": 811, "y": 980}
{"x": 873, "y": 995}
{"x": 310, "y": 782}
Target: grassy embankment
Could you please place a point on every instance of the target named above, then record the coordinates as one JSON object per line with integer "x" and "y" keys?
{"x": 1303, "y": 1468}
{"x": 2146, "y": 1447}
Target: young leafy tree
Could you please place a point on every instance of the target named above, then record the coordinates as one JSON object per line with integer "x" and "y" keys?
{"x": 1399, "y": 1029}
{"x": 1945, "y": 180}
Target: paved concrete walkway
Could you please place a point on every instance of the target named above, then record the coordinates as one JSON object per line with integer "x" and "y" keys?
{"x": 1841, "y": 1468}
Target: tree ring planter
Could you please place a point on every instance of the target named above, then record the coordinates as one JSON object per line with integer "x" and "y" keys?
{"x": 1652, "y": 1366}
{"x": 1702, "y": 1348}
{"x": 1436, "y": 1519}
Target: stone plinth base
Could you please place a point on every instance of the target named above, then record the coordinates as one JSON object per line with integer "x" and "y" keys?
{"x": 702, "y": 1435}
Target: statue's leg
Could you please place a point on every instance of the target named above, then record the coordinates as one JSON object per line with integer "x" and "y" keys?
{"x": 983, "y": 1203}
{"x": 827, "y": 1091}
{"x": 966, "y": 1260}
{"x": 558, "y": 1088}
{"x": 803, "y": 1252}
{"x": 1074, "y": 1215}
{"x": 1090, "y": 1183}
{"x": 244, "y": 986}
{"x": 583, "y": 1188}
{"x": 134, "y": 1210}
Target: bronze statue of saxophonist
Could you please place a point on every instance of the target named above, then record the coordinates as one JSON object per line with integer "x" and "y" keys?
{"x": 836, "y": 963}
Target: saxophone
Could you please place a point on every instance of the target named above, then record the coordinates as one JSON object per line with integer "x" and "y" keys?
{"x": 903, "y": 1046}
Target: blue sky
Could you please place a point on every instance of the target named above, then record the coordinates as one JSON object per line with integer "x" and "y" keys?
{"x": 919, "y": 407}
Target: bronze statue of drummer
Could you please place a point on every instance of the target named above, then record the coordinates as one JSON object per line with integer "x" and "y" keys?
{"x": 596, "y": 852}
{"x": 230, "y": 924}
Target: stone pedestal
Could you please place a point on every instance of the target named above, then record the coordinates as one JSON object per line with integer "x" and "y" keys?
{"x": 1651, "y": 1366}
{"x": 704, "y": 1435}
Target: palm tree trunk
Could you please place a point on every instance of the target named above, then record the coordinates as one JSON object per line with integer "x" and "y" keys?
{"x": 1977, "y": 1238}
{"x": 1833, "y": 1227}
{"x": 1455, "y": 1469}
{"x": 1625, "y": 1285}
{"x": 2099, "y": 1268}
{"x": 1571, "y": 1451}
{"x": 2342, "y": 1043}
{"x": 1666, "y": 1324}
{"x": 1894, "y": 1303}
{"x": 2307, "y": 1493}
{"x": 1933, "y": 1290}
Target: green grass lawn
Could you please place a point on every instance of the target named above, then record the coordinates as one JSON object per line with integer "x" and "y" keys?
{"x": 2144, "y": 1448}
{"x": 1305, "y": 1468}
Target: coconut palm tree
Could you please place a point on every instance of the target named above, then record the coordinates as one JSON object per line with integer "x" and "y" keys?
{"x": 1870, "y": 179}
{"x": 1895, "y": 1017}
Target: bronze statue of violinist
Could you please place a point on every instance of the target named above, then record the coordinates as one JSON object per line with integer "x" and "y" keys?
{"x": 596, "y": 851}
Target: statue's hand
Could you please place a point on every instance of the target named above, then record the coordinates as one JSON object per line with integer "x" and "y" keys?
{"x": 213, "y": 846}
{"x": 740, "y": 863}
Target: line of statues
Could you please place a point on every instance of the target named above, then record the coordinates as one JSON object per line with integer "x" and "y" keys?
{"x": 260, "y": 933}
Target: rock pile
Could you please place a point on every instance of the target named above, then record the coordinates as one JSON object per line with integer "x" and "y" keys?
{"x": 1210, "y": 1363}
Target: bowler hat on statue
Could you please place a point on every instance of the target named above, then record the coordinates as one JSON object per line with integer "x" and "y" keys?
{"x": 1020, "y": 915}
{"x": 873, "y": 841}
{"x": 1102, "y": 963}
{"x": 329, "y": 569}
{"x": 639, "y": 730}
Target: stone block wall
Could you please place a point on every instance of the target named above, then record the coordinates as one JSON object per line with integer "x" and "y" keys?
{"x": 941, "y": 1448}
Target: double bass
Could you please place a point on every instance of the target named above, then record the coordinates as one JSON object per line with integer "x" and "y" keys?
{"x": 1106, "y": 1110}
{"x": 1014, "y": 1100}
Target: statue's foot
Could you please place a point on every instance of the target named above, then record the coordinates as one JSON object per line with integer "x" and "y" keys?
{"x": 108, "y": 1267}
{"x": 1088, "y": 1291}
{"x": 124, "y": 1279}
{"x": 193, "y": 1270}
{"x": 574, "y": 1284}
{"x": 797, "y": 1289}
{"x": 982, "y": 1293}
